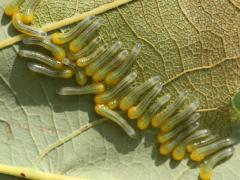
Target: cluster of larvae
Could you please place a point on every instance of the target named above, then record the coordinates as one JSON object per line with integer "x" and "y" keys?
{"x": 80, "y": 52}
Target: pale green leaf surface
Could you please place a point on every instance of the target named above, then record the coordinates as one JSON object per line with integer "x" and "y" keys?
{"x": 191, "y": 44}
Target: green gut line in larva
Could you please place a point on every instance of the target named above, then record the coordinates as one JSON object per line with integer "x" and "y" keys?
{"x": 104, "y": 70}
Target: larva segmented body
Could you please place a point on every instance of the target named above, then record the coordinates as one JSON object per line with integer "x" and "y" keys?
{"x": 62, "y": 38}
{"x": 13, "y": 7}
{"x": 57, "y": 51}
{"x": 41, "y": 58}
{"x": 45, "y": 70}
{"x": 25, "y": 29}
{"x": 28, "y": 13}
{"x": 178, "y": 124}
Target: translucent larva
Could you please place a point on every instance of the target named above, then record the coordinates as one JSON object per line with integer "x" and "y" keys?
{"x": 167, "y": 148}
{"x": 144, "y": 121}
{"x": 179, "y": 117}
{"x": 165, "y": 137}
{"x": 84, "y": 61}
{"x": 87, "y": 34}
{"x": 25, "y": 29}
{"x": 195, "y": 145}
{"x": 57, "y": 51}
{"x": 115, "y": 102}
{"x": 80, "y": 77}
{"x": 45, "y": 70}
{"x": 115, "y": 91}
{"x": 138, "y": 110}
{"x": 104, "y": 111}
{"x": 103, "y": 59}
{"x": 87, "y": 50}
{"x": 133, "y": 97}
{"x": 206, "y": 168}
{"x": 41, "y": 58}
{"x": 95, "y": 88}
{"x": 62, "y": 38}
{"x": 159, "y": 118}
{"x": 115, "y": 76}
{"x": 180, "y": 151}
{"x": 13, "y": 7}
{"x": 28, "y": 13}
{"x": 202, "y": 152}
{"x": 101, "y": 73}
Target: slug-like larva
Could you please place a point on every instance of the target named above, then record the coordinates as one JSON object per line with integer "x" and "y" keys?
{"x": 45, "y": 70}
{"x": 159, "y": 118}
{"x": 25, "y": 29}
{"x": 202, "y": 152}
{"x": 94, "y": 88}
{"x": 101, "y": 73}
{"x": 165, "y": 137}
{"x": 133, "y": 97}
{"x": 80, "y": 77}
{"x": 103, "y": 59}
{"x": 144, "y": 121}
{"x": 57, "y": 51}
{"x": 180, "y": 151}
{"x": 114, "y": 92}
{"x": 88, "y": 49}
{"x": 113, "y": 104}
{"x": 41, "y": 58}
{"x": 167, "y": 148}
{"x": 104, "y": 111}
{"x": 84, "y": 61}
{"x": 87, "y": 34}
{"x": 138, "y": 110}
{"x": 28, "y": 13}
{"x": 62, "y": 38}
{"x": 195, "y": 145}
{"x": 179, "y": 117}
{"x": 206, "y": 168}
{"x": 115, "y": 76}
{"x": 13, "y": 7}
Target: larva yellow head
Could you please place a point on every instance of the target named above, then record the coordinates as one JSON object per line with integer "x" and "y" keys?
{"x": 55, "y": 37}
{"x": 11, "y": 10}
{"x": 98, "y": 109}
{"x": 67, "y": 73}
{"x": 73, "y": 47}
{"x": 100, "y": 88}
{"x": 164, "y": 150}
{"x": 155, "y": 121}
{"x": 113, "y": 104}
{"x": 190, "y": 148}
{"x": 27, "y": 19}
{"x": 109, "y": 79}
{"x": 195, "y": 156}
{"x": 132, "y": 112}
{"x": 178, "y": 153}
{"x": 140, "y": 124}
{"x": 96, "y": 78}
{"x": 80, "y": 62}
{"x": 122, "y": 105}
{"x": 60, "y": 55}
{"x": 97, "y": 99}
{"x": 205, "y": 172}
{"x": 165, "y": 128}
{"x": 161, "y": 138}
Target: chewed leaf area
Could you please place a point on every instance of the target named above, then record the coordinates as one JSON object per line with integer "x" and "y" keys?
{"x": 190, "y": 45}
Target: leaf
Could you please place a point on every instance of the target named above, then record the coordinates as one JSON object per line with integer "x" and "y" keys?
{"x": 191, "y": 44}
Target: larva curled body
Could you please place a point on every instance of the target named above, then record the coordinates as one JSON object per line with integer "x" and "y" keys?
{"x": 57, "y": 51}
{"x": 115, "y": 91}
{"x": 28, "y": 13}
{"x": 86, "y": 51}
{"x": 206, "y": 168}
{"x": 12, "y": 8}
{"x": 78, "y": 43}
{"x": 41, "y": 58}
{"x": 26, "y": 29}
{"x": 133, "y": 96}
{"x": 62, "y": 38}
{"x": 103, "y": 59}
{"x": 47, "y": 71}
{"x": 104, "y": 111}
